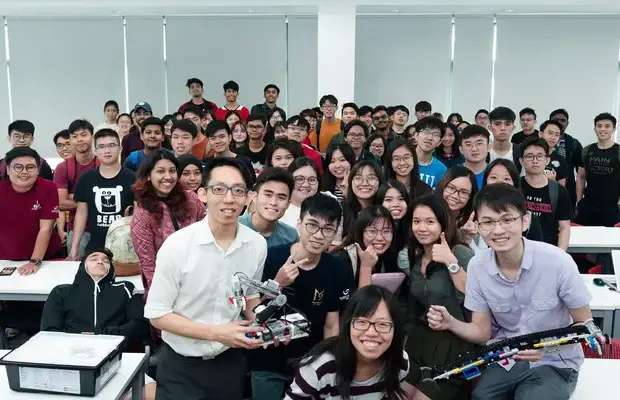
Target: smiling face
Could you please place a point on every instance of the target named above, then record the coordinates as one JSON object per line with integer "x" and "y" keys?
{"x": 220, "y": 141}
{"x": 402, "y": 161}
{"x": 377, "y": 148}
{"x": 152, "y": 137}
{"x": 316, "y": 233}
{"x": 191, "y": 178}
{"x": 356, "y": 137}
{"x": 499, "y": 174}
{"x": 271, "y": 95}
{"x": 275, "y": 118}
{"x": 224, "y": 209}
{"x": 97, "y": 265}
{"x": 604, "y": 130}
{"x": 63, "y": 148}
{"x": 378, "y": 235}
{"x": 348, "y": 114}
{"x": 365, "y": 183}
{"x": 425, "y": 226}
{"x": 272, "y": 200}
{"x": 338, "y": 166}
{"x": 181, "y": 142}
{"x": 281, "y": 158}
{"x": 381, "y": 120}
{"x": 448, "y": 138}
{"x": 231, "y": 95}
{"x": 195, "y": 90}
{"x": 23, "y": 172}
{"x": 395, "y": 203}
{"x": 306, "y": 183}
{"x": 371, "y": 344}
{"x": 124, "y": 124}
{"x": 239, "y": 134}
{"x": 231, "y": 119}
{"x": 163, "y": 177}
{"x": 457, "y": 193}
{"x": 81, "y": 141}
{"x": 506, "y": 232}
{"x": 552, "y": 135}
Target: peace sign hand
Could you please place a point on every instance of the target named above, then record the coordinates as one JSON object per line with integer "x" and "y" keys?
{"x": 344, "y": 185}
{"x": 442, "y": 253}
{"x": 468, "y": 230}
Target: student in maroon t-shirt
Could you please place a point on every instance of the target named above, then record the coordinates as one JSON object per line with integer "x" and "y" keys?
{"x": 132, "y": 141}
{"x": 29, "y": 207}
{"x": 69, "y": 171}
{"x": 21, "y": 134}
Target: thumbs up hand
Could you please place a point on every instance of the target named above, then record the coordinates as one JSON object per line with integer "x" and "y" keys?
{"x": 442, "y": 252}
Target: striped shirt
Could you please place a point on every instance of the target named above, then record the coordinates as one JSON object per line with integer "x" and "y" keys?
{"x": 317, "y": 380}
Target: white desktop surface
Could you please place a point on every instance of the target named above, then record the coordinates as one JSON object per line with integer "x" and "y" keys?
{"x": 602, "y": 297}
{"x": 130, "y": 366}
{"x": 593, "y": 239}
{"x": 598, "y": 379}
{"x": 50, "y": 275}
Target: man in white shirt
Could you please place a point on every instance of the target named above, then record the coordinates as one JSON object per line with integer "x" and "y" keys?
{"x": 203, "y": 334}
{"x": 502, "y": 124}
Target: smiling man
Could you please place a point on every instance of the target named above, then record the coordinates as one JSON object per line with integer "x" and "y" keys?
{"x": 430, "y": 132}
{"x": 271, "y": 94}
{"x": 475, "y": 148}
{"x": 195, "y": 87}
{"x": 273, "y": 190}
{"x": 297, "y": 131}
{"x": 152, "y": 136}
{"x": 133, "y": 141}
{"x": 21, "y": 134}
{"x": 183, "y": 134}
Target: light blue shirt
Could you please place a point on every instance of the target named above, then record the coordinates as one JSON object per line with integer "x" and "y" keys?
{"x": 283, "y": 234}
{"x": 432, "y": 173}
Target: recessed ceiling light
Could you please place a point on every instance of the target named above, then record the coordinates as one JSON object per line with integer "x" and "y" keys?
{"x": 509, "y": 10}
{"x": 397, "y": 10}
{"x": 250, "y": 10}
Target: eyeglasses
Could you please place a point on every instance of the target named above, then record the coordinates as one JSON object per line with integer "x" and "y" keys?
{"x": 109, "y": 146}
{"x": 376, "y": 147}
{"x": 373, "y": 232}
{"x": 364, "y": 325}
{"x": 538, "y": 157}
{"x": 462, "y": 193}
{"x": 481, "y": 118}
{"x": 299, "y": 180}
{"x": 326, "y": 231}
{"x": 221, "y": 190}
{"x": 356, "y": 135}
{"x": 255, "y": 127}
{"x": 20, "y": 137}
{"x": 471, "y": 145}
{"x": 427, "y": 133}
{"x": 370, "y": 179}
{"x": 406, "y": 159}
{"x": 330, "y": 106}
{"x": 142, "y": 114}
{"x": 66, "y": 145}
{"x": 297, "y": 128}
{"x": 489, "y": 225}
{"x": 20, "y": 167}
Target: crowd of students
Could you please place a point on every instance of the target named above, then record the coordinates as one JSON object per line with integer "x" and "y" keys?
{"x": 477, "y": 218}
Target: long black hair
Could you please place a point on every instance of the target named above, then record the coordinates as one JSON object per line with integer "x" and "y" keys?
{"x": 403, "y": 225}
{"x": 455, "y": 146}
{"x": 460, "y": 172}
{"x": 351, "y": 206}
{"x": 371, "y": 139}
{"x": 510, "y": 167}
{"x": 364, "y": 303}
{"x": 328, "y": 181}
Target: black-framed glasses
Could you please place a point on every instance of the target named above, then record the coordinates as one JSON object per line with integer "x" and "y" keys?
{"x": 489, "y": 225}
{"x": 221, "y": 190}
{"x": 20, "y": 136}
{"x": 461, "y": 193}
{"x": 21, "y": 167}
{"x": 364, "y": 325}
{"x": 251, "y": 127}
{"x": 372, "y": 233}
{"x": 326, "y": 231}
{"x": 538, "y": 157}
{"x": 427, "y": 132}
{"x": 299, "y": 180}
{"x": 65, "y": 145}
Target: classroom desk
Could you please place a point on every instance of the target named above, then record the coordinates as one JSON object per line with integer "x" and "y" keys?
{"x": 593, "y": 239}
{"x": 38, "y": 286}
{"x": 130, "y": 374}
{"x": 605, "y": 304}
{"x": 598, "y": 379}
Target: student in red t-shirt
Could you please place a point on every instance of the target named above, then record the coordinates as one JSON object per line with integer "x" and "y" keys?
{"x": 231, "y": 92}
{"x": 29, "y": 207}
{"x": 69, "y": 171}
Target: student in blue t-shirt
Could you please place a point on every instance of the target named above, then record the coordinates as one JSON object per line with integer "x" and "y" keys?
{"x": 475, "y": 147}
{"x": 152, "y": 135}
{"x": 430, "y": 132}
{"x": 273, "y": 194}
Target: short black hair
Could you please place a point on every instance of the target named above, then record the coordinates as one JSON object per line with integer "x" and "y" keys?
{"x": 197, "y": 111}
{"x": 300, "y": 121}
{"x": 271, "y": 86}
{"x": 110, "y": 103}
{"x": 401, "y": 107}
{"x": 21, "y": 125}
{"x": 232, "y": 85}
{"x": 167, "y": 118}
{"x": 527, "y": 110}
{"x": 80, "y": 124}
{"x": 62, "y": 134}
{"x": 328, "y": 97}
{"x": 152, "y": 121}
{"x": 423, "y": 106}
{"x": 481, "y": 111}
{"x": 106, "y": 132}
{"x": 379, "y": 109}
{"x": 21, "y": 152}
{"x": 364, "y": 110}
{"x": 510, "y": 167}
{"x": 474, "y": 130}
{"x": 193, "y": 80}
{"x": 558, "y": 111}
{"x": 308, "y": 112}
{"x": 351, "y": 105}
{"x": 321, "y": 206}
{"x": 502, "y": 114}
{"x": 184, "y": 125}
{"x": 216, "y": 162}
{"x": 605, "y": 117}
{"x": 283, "y": 143}
{"x": 356, "y": 122}
{"x": 218, "y": 125}
{"x": 274, "y": 174}
{"x": 534, "y": 141}
{"x": 500, "y": 197}
{"x": 545, "y": 124}
{"x": 257, "y": 117}
{"x": 429, "y": 123}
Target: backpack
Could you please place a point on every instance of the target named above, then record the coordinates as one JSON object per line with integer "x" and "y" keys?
{"x": 553, "y": 195}
{"x": 72, "y": 172}
{"x": 584, "y": 157}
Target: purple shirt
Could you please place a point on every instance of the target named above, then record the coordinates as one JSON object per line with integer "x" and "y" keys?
{"x": 548, "y": 285}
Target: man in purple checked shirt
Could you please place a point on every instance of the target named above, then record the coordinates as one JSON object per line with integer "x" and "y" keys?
{"x": 520, "y": 287}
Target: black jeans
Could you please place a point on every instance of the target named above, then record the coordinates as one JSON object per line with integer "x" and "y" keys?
{"x": 192, "y": 378}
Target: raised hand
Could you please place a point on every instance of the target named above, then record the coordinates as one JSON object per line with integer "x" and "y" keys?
{"x": 439, "y": 319}
{"x": 468, "y": 230}
{"x": 368, "y": 257}
{"x": 289, "y": 271}
{"x": 442, "y": 253}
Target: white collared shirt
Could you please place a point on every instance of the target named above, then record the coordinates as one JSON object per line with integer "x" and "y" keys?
{"x": 193, "y": 278}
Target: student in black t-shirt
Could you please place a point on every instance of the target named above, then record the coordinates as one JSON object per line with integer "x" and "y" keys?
{"x": 317, "y": 284}
{"x": 544, "y": 197}
{"x": 598, "y": 180}
{"x": 556, "y": 170}
{"x": 102, "y": 194}
{"x": 527, "y": 118}
{"x": 256, "y": 150}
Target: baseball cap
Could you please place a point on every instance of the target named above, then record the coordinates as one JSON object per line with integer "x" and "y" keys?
{"x": 144, "y": 105}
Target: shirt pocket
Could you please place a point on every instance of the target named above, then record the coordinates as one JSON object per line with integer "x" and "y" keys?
{"x": 542, "y": 315}
{"x": 506, "y": 315}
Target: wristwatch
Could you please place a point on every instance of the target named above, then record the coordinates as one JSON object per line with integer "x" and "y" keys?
{"x": 36, "y": 262}
{"x": 454, "y": 268}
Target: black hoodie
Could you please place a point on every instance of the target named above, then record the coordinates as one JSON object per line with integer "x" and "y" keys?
{"x": 102, "y": 307}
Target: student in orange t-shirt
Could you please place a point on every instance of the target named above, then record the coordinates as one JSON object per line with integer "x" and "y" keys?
{"x": 330, "y": 125}
{"x": 201, "y": 147}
